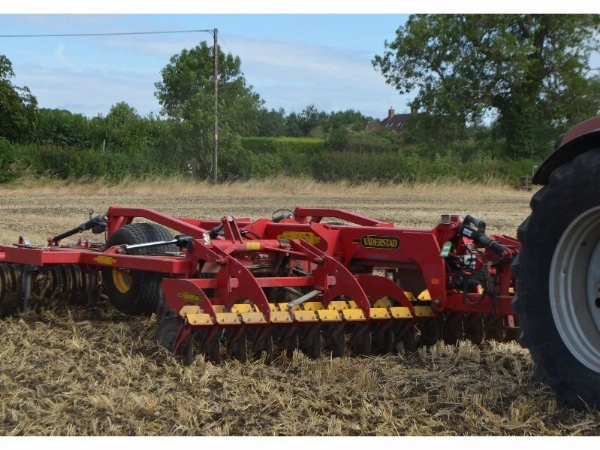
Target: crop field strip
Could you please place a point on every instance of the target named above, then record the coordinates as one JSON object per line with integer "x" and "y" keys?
{"x": 92, "y": 371}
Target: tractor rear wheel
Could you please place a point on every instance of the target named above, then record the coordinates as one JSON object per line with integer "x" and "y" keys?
{"x": 558, "y": 281}
{"x": 136, "y": 292}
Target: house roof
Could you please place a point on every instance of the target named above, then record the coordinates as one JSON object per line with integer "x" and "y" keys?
{"x": 396, "y": 122}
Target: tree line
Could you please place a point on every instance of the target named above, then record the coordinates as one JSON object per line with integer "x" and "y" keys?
{"x": 487, "y": 88}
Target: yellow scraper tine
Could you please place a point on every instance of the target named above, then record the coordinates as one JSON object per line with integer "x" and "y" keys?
{"x": 241, "y": 308}
{"x": 329, "y": 315}
{"x": 353, "y": 315}
{"x": 338, "y": 305}
{"x": 228, "y": 319}
{"x": 400, "y": 312}
{"x": 252, "y": 317}
{"x": 199, "y": 319}
{"x": 305, "y": 316}
{"x": 380, "y": 313}
{"x": 312, "y": 306}
{"x": 424, "y": 311}
{"x": 281, "y": 317}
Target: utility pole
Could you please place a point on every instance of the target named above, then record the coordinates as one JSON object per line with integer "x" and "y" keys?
{"x": 216, "y": 136}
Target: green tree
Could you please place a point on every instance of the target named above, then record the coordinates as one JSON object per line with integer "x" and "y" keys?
{"x": 121, "y": 114}
{"x": 186, "y": 94}
{"x": 271, "y": 123}
{"x": 62, "y": 128}
{"x": 18, "y": 107}
{"x": 125, "y": 130}
{"x": 312, "y": 122}
{"x": 292, "y": 125}
{"x": 530, "y": 72}
{"x": 350, "y": 120}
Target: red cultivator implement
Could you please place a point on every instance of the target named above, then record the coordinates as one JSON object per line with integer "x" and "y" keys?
{"x": 314, "y": 280}
{"x": 328, "y": 278}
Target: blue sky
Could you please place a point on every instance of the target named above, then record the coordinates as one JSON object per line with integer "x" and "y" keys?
{"x": 291, "y": 60}
{"x": 293, "y": 53}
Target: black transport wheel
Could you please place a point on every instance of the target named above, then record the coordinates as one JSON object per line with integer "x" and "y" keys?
{"x": 166, "y": 335}
{"x": 558, "y": 281}
{"x": 136, "y": 292}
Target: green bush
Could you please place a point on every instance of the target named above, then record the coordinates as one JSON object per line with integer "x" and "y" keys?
{"x": 306, "y": 157}
{"x": 266, "y": 165}
{"x": 258, "y": 145}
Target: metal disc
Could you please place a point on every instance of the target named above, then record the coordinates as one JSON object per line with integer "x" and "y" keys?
{"x": 362, "y": 340}
{"x": 212, "y": 348}
{"x": 452, "y": 329}
{"x": 431, "y": 330}
{"x": 494, "y": 328}
{"x": 262, "y": 347}
{"x": 166, "y": 335}
{"x": 290, "y": 343}
{"x": 383, "y": 339}
{"x": 238, "y": 346}
{"x": 409, "y": 339}
{"x": 474, "y": 329}
{"x": 310, "y": 343}
{"x": 335, "y": 341}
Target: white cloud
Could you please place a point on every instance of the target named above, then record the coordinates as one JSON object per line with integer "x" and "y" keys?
{"x": 95, "y": 73}
{"x": 89, "y": 92}
{"x": 287, "y": 74}
{"x": 62, "y": 59}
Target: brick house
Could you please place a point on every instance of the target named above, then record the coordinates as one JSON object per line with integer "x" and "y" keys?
{"x": 393, "y": 122}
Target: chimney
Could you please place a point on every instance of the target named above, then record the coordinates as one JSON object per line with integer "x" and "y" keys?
{"x": 413, "y": 110}
{"x": 391, "y": 112}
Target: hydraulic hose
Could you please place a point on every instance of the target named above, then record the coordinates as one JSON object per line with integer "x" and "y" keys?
{"x": 483, "y": 240}
{"x": 98, "y": 221}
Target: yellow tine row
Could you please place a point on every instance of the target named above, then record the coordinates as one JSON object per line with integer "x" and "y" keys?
{"x": 306, "y": 312}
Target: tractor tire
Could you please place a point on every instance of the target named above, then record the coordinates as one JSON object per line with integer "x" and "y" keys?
{"x": 558, "y": 282}
{"x": 136, "y": 292}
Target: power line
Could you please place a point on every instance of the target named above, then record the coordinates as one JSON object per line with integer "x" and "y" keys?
{"x": 214, "y": 33}
{"x": 102, "y": 34}
{"x": 223, "y": 40}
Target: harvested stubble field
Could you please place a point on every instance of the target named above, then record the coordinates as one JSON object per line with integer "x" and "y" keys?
{"x": 92, "y": 371}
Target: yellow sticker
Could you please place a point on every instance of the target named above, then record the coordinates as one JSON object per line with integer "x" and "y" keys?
{"x": 253, "y": 245}
{"x": 107, "y": 260}
{"x": 190, "y": 297}
{"x": 309, "y": 237}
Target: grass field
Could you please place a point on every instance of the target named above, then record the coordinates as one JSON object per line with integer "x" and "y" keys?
{"x": 93, "y": 371}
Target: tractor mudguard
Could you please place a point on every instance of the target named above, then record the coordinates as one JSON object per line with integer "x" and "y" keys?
{"x": 579, "y": 139}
